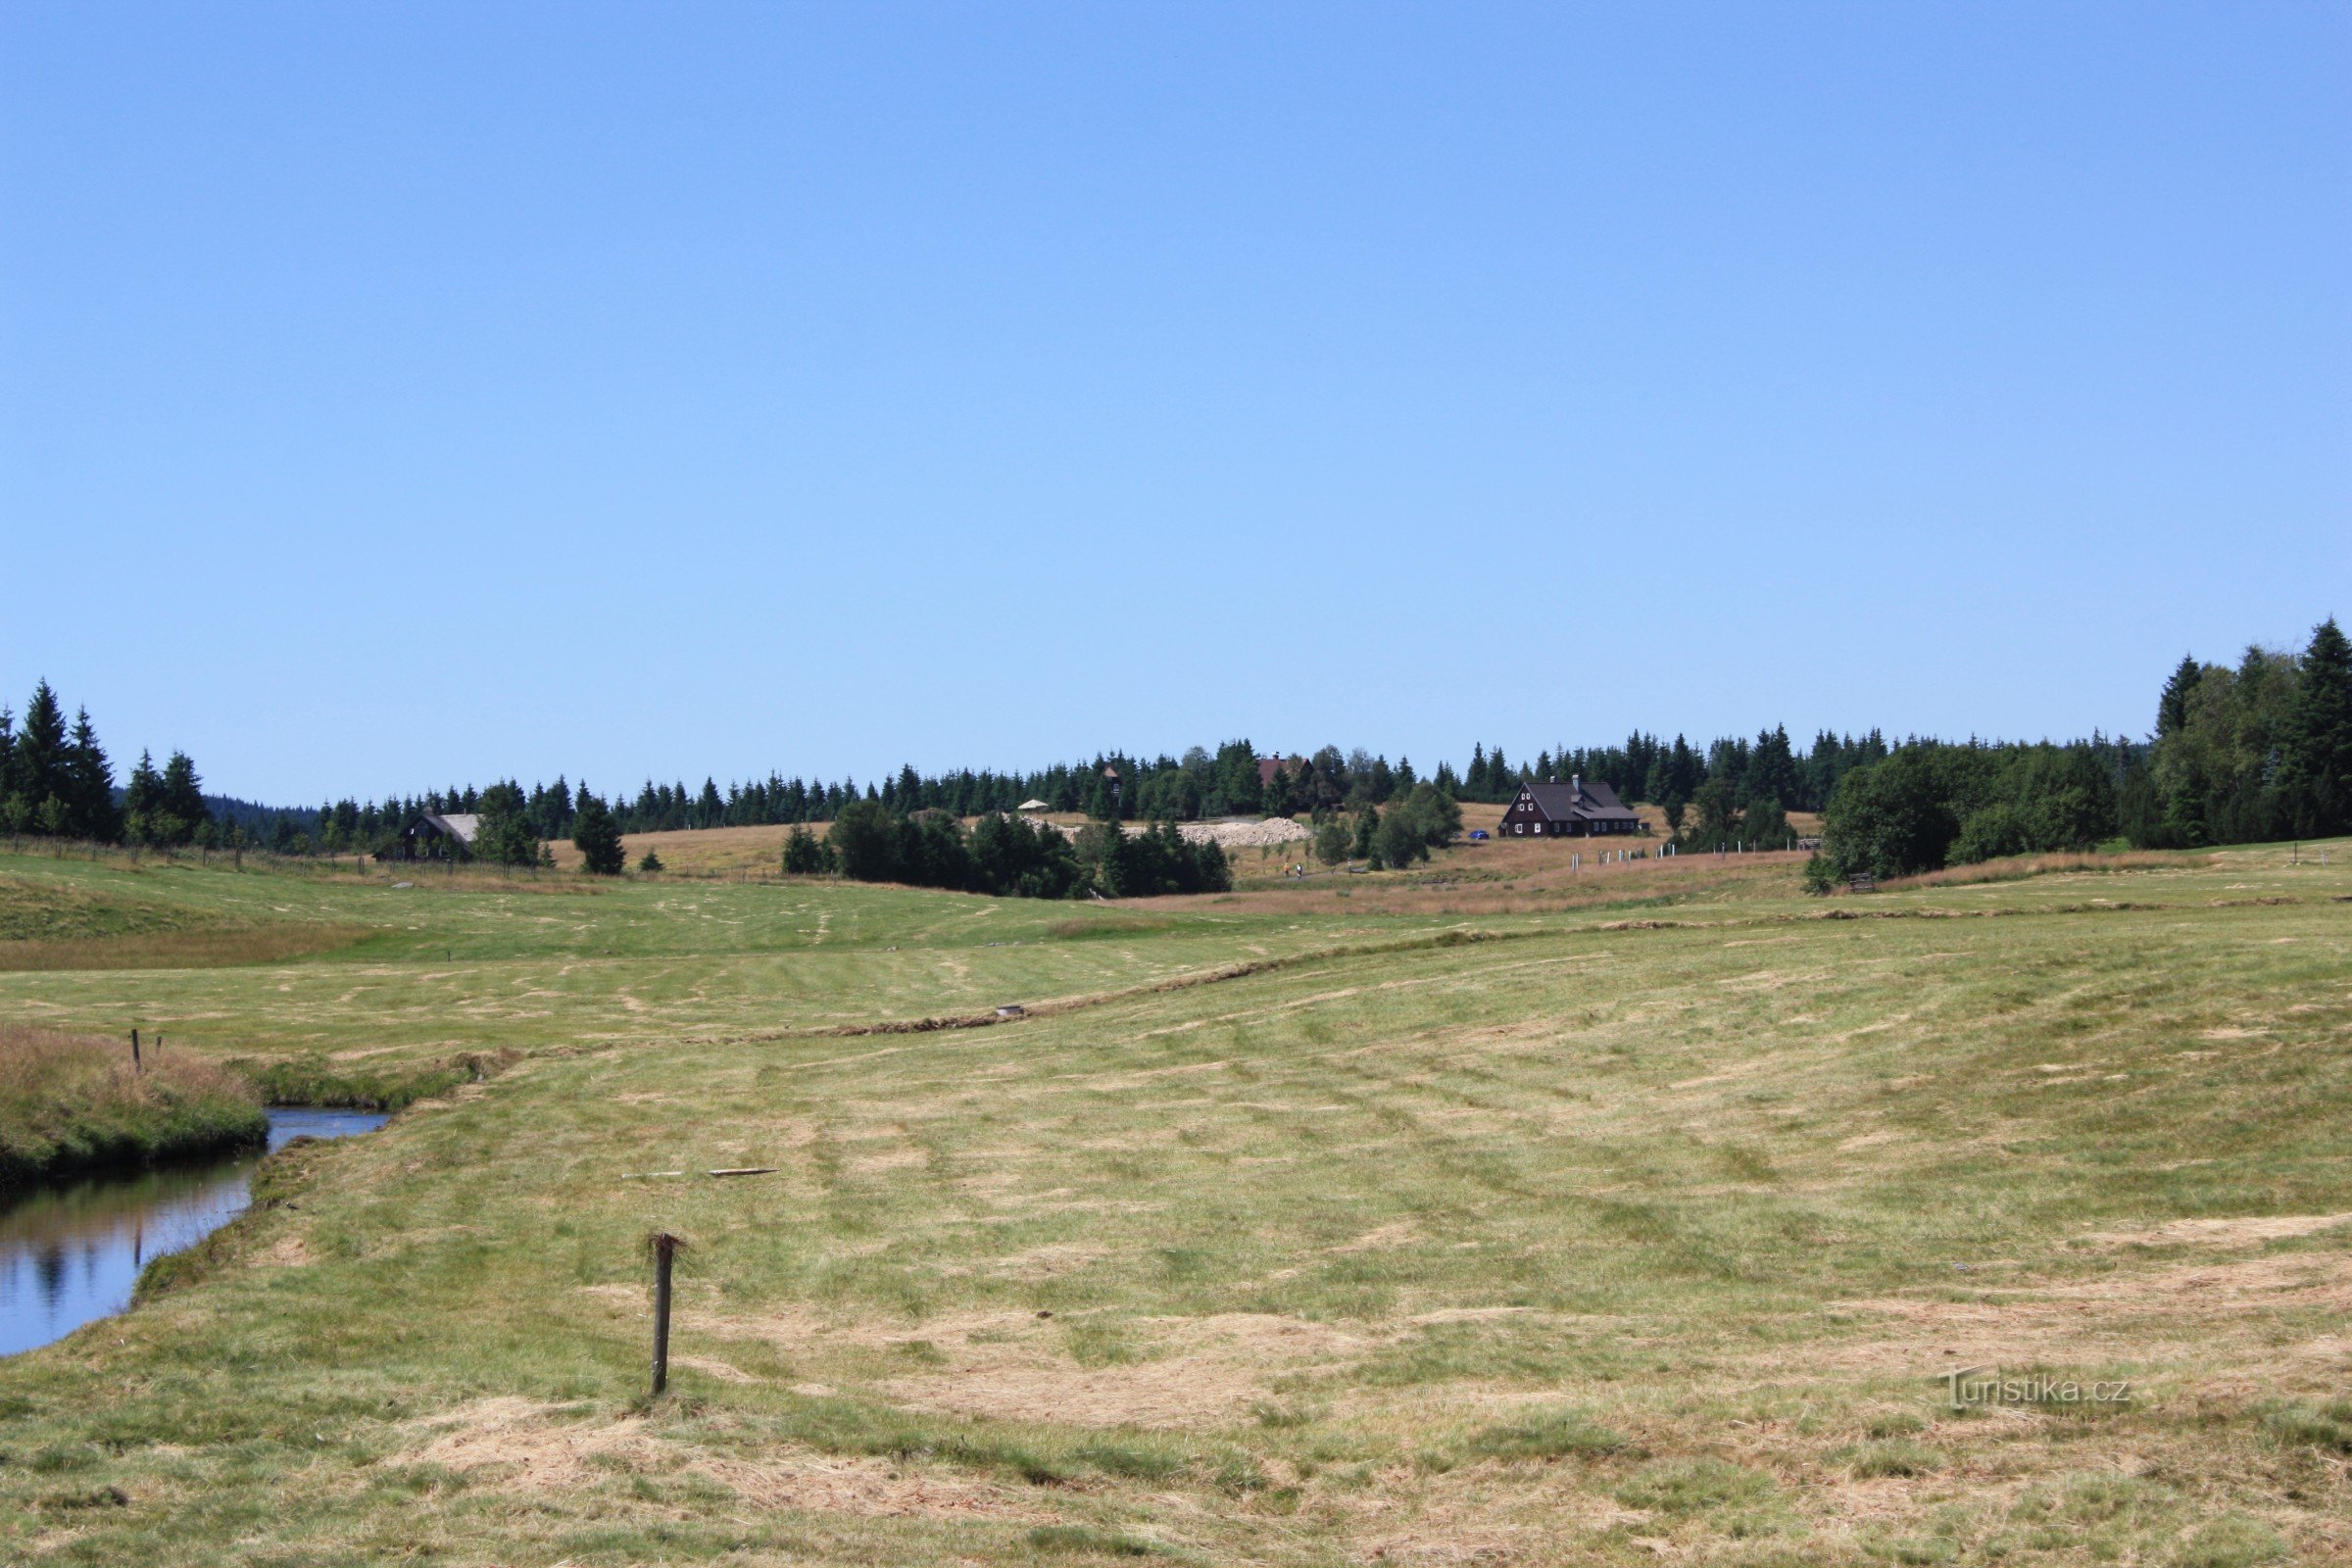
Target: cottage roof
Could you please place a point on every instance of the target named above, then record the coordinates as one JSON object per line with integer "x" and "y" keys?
{"x": 459, "y": 826}
{"x": 1033, "y": 805}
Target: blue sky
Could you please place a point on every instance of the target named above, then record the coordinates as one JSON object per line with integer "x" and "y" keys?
{"x": 398, "y": 395}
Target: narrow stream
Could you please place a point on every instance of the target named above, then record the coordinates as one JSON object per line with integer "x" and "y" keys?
{"x": 72, "y": 1250}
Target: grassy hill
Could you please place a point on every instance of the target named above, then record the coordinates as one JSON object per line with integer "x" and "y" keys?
{"x": 1591, "y": 1216}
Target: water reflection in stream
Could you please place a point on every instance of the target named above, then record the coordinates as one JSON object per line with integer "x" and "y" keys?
{"x": 71, "y": 1251}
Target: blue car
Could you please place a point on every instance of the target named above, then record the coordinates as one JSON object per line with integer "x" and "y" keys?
{"x": 1478, "y": 832}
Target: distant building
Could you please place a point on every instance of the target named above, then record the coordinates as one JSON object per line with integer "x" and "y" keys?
{"x": 432, "y": 836}
{"x": 1034, "y": 806}
{"x": 1268, "y": 767}
{"x": 1574, "y": 809}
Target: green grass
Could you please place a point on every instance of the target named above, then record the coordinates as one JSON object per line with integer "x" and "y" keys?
{"x": 1552, "y": 1245}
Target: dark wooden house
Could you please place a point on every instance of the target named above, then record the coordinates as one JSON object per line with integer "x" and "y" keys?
{"x": 433, "y": 836}
{"x": 1574, "y": 809}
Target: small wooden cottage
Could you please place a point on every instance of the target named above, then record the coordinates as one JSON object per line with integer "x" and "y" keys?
{"x": 1574, "y": 809}
{"x": 433, "y": 836}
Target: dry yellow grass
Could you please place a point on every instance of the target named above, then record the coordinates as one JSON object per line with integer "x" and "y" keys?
{"x": 2017, "y": 867}
{"x": 701, "y": 852}
{"x": 71, "y": 1100}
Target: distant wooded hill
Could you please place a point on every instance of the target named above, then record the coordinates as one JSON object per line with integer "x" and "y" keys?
{"x": 2258, "y": 749}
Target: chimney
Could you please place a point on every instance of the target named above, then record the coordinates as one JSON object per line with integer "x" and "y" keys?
{"x": 1576, "y": 783}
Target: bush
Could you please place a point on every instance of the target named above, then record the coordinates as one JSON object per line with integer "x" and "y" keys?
{"x": 1926, "y": 805}
{"x": 864, "y": 841}
{"x": 1409, "y": 828}
{"x": 1011, "y": 856}
{"x": 1993, "y": 832}
{"x": 804, "y": 855}
{"x": 598, "y": 838}
{"x": 506, "y": 835}
{"x": 1764, "y": 825}
{"x": 1157, "y": 860}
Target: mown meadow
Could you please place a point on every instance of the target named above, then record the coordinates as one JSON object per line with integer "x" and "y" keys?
{"x": 1610, "y": 1222}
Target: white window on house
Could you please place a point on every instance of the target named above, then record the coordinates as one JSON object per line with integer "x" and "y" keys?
{"x": 1539, "y": 827}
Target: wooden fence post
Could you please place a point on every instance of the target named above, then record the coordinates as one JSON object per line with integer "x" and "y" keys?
{"x": 665, "y": 1248}
{"x": 134, "y": 1052}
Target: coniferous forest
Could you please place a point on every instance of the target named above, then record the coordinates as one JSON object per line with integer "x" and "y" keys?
{"x": 2258, "y": 749}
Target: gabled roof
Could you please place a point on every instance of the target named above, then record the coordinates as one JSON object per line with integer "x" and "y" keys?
{"x": 461, "y": 825}
{"x": 1592, "y": 800}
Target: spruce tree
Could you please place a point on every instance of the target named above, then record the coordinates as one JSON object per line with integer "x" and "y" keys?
{"x": 90, "y": 785}
{"x": 182, "y": 799}
{"x": 142, "y": 799}
{"x": 2172, "y": 707}
{"x": 1771, "y": 768}
{"x": 2315, "y": 761}
{"x": 804, "y": 855}
{"x": 506, "y": 835}
{"x": 38, "y": 764}
{"x": 597, "y": 837}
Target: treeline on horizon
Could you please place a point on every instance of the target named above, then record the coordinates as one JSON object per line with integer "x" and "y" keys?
{"x": 2250, "y": 752}
{"x": 1196, "y": 785}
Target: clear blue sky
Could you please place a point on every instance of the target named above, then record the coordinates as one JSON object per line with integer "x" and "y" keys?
{"x": 394, "y": 395}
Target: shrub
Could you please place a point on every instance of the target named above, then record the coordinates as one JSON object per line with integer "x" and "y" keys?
{"x": 804, "y": 855}
{"x": 598, "y": 838}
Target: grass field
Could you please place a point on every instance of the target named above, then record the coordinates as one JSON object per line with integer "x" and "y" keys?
{"x": 1485, "y": 1213}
